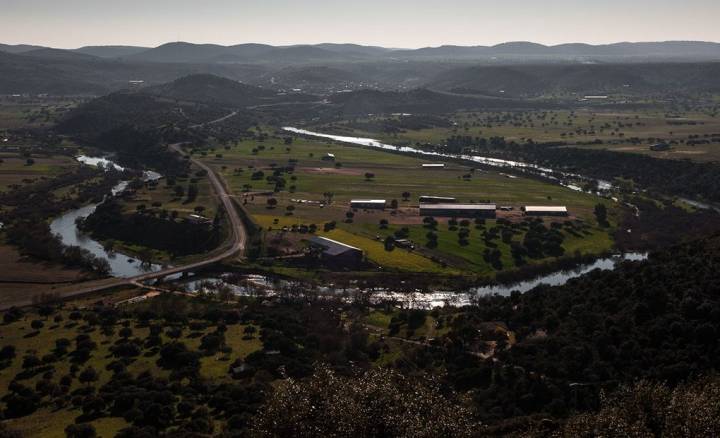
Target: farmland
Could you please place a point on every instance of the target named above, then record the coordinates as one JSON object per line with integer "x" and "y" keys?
{"x": 318, "y": 189}
{"x": 32, "y": 112}
{"x": 693, "y": 134}
{"x": 19, "y": 170}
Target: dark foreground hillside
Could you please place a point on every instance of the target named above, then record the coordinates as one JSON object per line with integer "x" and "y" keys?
{"x": 297, "y": 364}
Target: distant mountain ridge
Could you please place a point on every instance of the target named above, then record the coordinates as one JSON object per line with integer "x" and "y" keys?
{"x": 18, "y": 48}
{"x": 111, "y": 51}
{"x": 188, "y": 52}
{"x": 524, "y": 81}
{"x": 669, "y": 49}
{"x": 181, "y": 52}
{"x": 518, "y": 69}
{"x": 185, "y": 52}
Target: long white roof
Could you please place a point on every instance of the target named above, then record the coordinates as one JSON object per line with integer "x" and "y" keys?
{"x": 545, "y": 208}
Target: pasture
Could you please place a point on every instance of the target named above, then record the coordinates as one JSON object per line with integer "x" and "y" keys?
{"x": 318, "y": 190}
{"x": 693, "y": 135}
{"x": 17, "y": 170}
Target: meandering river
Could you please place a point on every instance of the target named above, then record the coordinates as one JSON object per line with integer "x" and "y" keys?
{"x": 253, "y": 284}
{"x": 65, "y": 226}
{"x": 124, "y": 266}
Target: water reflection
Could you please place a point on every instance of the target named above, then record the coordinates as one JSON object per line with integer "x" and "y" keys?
{"x": 65, "y": 227}
{"x": 258, "y": 285}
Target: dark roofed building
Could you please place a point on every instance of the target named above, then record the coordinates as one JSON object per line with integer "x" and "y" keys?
{"x": 459, "y": 210}
{"x": 378, "y": 204}
{"x": 659, "y": 147}
{"x": 337, "y": 253}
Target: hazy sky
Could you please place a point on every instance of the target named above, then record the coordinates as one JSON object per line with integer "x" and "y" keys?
{"x": 391, "y": 23}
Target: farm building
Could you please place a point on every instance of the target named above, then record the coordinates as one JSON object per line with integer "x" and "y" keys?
{"x": 433, "y": 166}
{"x": 337, "y": 253}
{"x": 543, "y": 210}
{"x": 198, "y": 220}
{"x": 659, "y": 147}
{"x": 378, "y": 204}
{"x": 459, "y": 210}
{"x": 436, "y": 200}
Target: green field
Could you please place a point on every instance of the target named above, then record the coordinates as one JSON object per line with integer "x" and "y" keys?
{"x": 393, "y": 174}
{"x": 28, "y": 112}
{"x": 615, "y": 129}
{"x": 15, "y": 169}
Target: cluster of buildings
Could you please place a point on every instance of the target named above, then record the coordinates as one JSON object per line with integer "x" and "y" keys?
{"x": 339, "y": 254}
{"x": 440, "y": 206}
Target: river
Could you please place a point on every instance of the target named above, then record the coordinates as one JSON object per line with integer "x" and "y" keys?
{"x": 555, "y": 175}
{"x": 65, "y": 226}
{"x": 253, "y": 284}
{"x": 124, "y": 266}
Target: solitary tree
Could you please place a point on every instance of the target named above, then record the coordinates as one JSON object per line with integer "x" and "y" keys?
{"x": 88, "y": 375}
{"x": 601, "y": 215}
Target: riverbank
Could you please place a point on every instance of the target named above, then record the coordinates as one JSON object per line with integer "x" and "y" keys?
{"x": 252, "y": 283}
{"x": 121, "y": 265}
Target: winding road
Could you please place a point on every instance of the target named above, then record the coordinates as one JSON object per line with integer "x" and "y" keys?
{"x": 234, "y": 246}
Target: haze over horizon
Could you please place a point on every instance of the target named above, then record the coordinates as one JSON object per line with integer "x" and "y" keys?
{"x": 400, "y": 24}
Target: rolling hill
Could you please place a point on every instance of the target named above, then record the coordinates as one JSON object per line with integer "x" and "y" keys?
{"x": 111, "y": 51}
{"x": 519, "y": 69}
{"x": 421, "y": 101}
{"x": 18, "y": 48}
{"x": 208, "y": 88}
{"x": 64, "y": 72}
{"x": 625, "y": 52}
{"x": 537, "y": 80}
{"x": 313, "y": 76}
{"x": 24, "y": 74}
{"x": 182, "y": 52}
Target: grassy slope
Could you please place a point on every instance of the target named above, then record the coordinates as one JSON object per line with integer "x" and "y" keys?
{"x": 47, "y": 422}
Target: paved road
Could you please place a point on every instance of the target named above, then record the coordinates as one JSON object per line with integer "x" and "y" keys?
{"x": 235, "y": 245}
{"x": 238, "y": 234}
{"x": 221, "y": 119}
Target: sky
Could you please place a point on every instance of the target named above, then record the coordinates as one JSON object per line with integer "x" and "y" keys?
{"x": 389, "y": 23}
